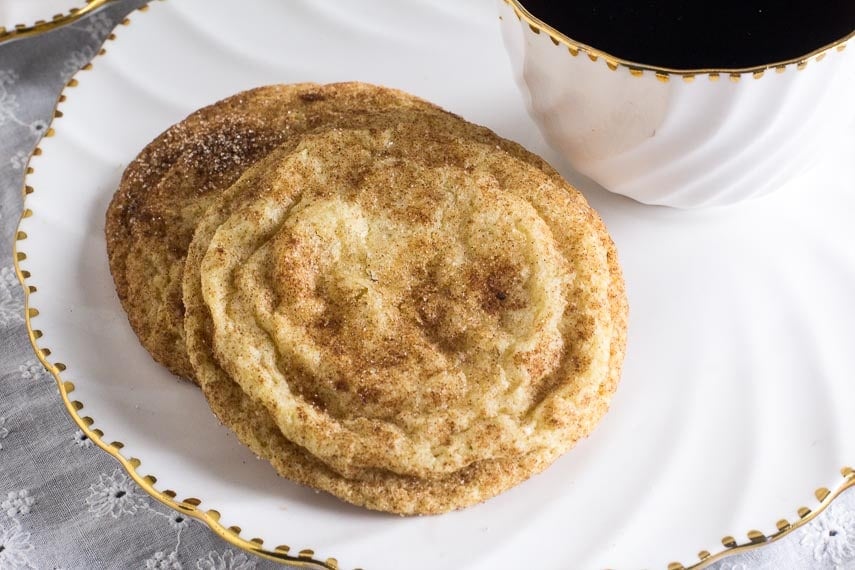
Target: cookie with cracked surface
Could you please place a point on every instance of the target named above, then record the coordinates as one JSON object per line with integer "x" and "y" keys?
{"x": 413, "y": 318}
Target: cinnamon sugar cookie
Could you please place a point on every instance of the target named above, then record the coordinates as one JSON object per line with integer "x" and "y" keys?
{"x": 412, "y": 315}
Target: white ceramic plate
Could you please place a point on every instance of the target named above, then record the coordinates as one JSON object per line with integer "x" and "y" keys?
{"x": 737, "y": 397}
{"x": 27, "y": 15}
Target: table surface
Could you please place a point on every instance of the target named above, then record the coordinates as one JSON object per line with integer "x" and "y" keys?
{"x": 66, "y": 504}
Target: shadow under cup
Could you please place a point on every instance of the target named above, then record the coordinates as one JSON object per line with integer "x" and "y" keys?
{"x": 680, "y": 137}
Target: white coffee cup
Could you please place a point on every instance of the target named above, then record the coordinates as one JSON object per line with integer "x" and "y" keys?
{"x": 683, "y": 138}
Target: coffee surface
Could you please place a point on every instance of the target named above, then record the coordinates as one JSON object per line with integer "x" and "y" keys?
{"x": 691, "y": 35}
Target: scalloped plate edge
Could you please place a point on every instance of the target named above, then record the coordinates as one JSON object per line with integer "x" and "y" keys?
{"x": 57, "y": 20}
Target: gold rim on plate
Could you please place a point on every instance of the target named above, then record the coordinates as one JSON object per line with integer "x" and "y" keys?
{"x": 56, "y": 21}
{"x": 636, "y": 69}
{"x": 192, "y": 506}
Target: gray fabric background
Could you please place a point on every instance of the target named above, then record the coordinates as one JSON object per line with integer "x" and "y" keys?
{"x": 64, "y": 503}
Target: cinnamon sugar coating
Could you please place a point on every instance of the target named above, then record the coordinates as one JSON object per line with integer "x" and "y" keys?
{"x": 175, "y": 178}
{"x": 406, "y": 311}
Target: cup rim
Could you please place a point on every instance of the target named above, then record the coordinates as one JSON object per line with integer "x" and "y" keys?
{"x": 537, "y": 26}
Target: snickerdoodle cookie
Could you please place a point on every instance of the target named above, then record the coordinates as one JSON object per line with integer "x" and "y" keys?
{"x": 410, "y": 313}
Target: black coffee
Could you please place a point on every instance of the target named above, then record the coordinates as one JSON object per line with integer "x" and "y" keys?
{"x": 691, "y": 34}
